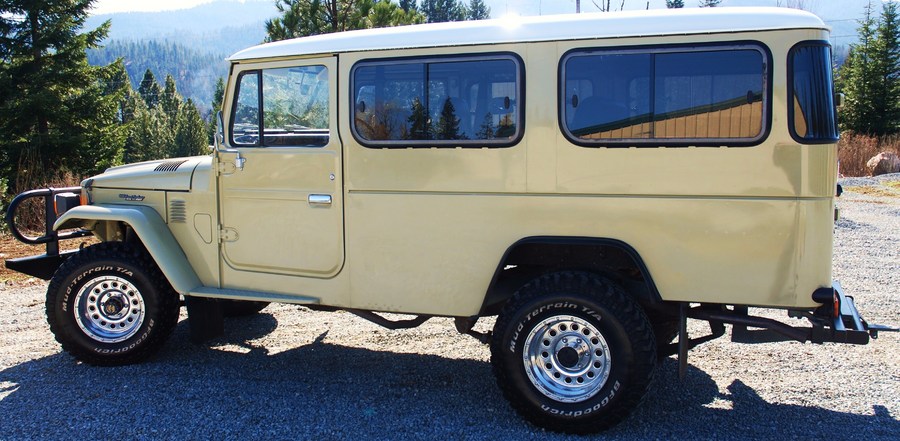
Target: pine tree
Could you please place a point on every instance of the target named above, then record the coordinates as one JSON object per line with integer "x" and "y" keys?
{"x": 674, "y": 4}
{"x": 448, "y": 123}
{"x": 419, "y": 123}
{"x": 190, "y": 137}
{"x": 301, "y": 18}
{"x": 134, "y": 114}
{"x": 478, "y": 10}
{"x": 486, "y": 131}
{"x": 57, "y": 113}
{"x": 886, "y": 67}
{"x": 870, "y": 77}
{"x": 438, "y": 11}
{"x": 213, "y": 121}
{"x": 150, "y": 90}
{"x": 170, "y": 102}
{"x": 709, "y": 3}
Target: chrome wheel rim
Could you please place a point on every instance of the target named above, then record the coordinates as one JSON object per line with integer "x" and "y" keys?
{"x": 109, "y": 309}
{"x": 566, "y": 358}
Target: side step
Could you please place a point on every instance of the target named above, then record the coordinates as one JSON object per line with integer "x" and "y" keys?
{"x": 205, "y": 316}
{"x": 237, "y": 294}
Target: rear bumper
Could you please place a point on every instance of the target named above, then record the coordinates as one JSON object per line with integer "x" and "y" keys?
{"x": 836, "y": 321}
{"x": 847, "y": 325}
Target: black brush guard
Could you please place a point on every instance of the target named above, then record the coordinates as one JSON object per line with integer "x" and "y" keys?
{"x": 41, "y": 266}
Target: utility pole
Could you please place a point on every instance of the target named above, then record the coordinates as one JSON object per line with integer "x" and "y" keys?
{"x": 578, "y": 6}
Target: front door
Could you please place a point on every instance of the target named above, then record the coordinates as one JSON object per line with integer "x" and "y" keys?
{"x": 280, "y": 174}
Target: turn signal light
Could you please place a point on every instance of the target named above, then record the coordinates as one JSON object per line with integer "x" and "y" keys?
{"x": 64, "y": 202}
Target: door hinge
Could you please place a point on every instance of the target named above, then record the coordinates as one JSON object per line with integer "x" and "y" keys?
{"x": 228, "y": 235}
{"x": 226, "y": 168}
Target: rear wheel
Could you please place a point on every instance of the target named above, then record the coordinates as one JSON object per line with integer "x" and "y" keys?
{"x": 110, "y": 305}
{"x": 572, "y": 352}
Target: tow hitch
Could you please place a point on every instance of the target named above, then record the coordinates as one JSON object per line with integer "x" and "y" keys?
{"x": 836, "y": 321}
{"x": 847, "y": 326}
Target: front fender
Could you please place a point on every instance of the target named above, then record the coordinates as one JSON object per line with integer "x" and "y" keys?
{"x": 152, "y": 231}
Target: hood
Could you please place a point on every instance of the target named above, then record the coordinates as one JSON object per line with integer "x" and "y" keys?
{"x": 167, "y": 174}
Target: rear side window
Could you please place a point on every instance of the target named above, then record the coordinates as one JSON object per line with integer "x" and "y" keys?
{"x": 459, "y": 101}
{"x": 710, "y": 95}
{"x": 811, "y": 111}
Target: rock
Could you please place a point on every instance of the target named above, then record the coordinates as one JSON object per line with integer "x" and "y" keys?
{"x": 884, "y": 163}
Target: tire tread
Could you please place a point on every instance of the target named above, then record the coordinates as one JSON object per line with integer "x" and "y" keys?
{"x": 627, "y": 312}
{"x": 169, "y": 302}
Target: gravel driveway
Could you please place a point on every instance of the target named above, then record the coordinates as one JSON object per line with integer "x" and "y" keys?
{"x": 289, "y": 373}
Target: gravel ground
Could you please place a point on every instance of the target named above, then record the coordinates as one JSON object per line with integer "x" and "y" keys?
{"x": 289, "y": 373}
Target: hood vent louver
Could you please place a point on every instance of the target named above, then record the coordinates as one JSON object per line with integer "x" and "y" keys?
{"x": 177, "y": 211}
{"x": 169, "y": 166}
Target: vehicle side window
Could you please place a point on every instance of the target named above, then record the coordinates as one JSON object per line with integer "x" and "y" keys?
{"x": 665, "y": 96}
{"x": 294, "y": 105}
{"x": 811, "y": 113}
{"x": 473, "y": 101}
{"x": 245, "y": 123}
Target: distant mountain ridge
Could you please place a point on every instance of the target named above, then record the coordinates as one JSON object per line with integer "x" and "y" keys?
{"x": 189, "y": 44}
{"x": 199, "y": 39}
{"x": 224, "y": 26}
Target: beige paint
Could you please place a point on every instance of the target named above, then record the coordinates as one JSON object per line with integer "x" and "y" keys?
{"x": 273, "y": 230}
{"x": 423, "y": 230}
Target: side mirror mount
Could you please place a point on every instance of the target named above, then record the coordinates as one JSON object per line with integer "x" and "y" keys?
{"x": 220, "y": 130}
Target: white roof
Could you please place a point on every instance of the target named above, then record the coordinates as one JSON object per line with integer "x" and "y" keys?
{"x": 546, "y": 28}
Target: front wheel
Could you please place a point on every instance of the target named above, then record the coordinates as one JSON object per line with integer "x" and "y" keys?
{"x": 110, "y": 305}
{"x": 573, "y": 353}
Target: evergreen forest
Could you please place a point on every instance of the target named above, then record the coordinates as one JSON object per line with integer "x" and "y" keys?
{"x": 74, "y": 102}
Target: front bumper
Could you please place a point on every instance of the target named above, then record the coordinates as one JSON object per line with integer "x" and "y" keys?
{"x": 55, "y": 200}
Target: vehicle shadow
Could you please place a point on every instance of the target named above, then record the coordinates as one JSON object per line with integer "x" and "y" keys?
{"x": 326, "y": 391}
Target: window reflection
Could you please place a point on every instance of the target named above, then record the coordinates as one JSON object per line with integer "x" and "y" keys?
{"x": 714, "y": 94}
{"x": 436, "y": 101}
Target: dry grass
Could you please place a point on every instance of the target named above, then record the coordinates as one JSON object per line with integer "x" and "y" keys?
{"x": 854, "y": 150}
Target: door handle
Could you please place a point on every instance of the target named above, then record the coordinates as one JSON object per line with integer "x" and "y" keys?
{"x": 319, "y": 200}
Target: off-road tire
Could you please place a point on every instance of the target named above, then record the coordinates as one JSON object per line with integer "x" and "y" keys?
{"x": 110, "y": 305}
{"x": 241, "y": 308}
{"x": 607, "y": 321}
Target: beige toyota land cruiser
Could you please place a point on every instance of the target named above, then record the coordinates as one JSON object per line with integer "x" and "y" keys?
{"x": 594, "y": 181}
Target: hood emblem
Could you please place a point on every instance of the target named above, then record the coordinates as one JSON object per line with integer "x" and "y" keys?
{"x": 131, "y": 197}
